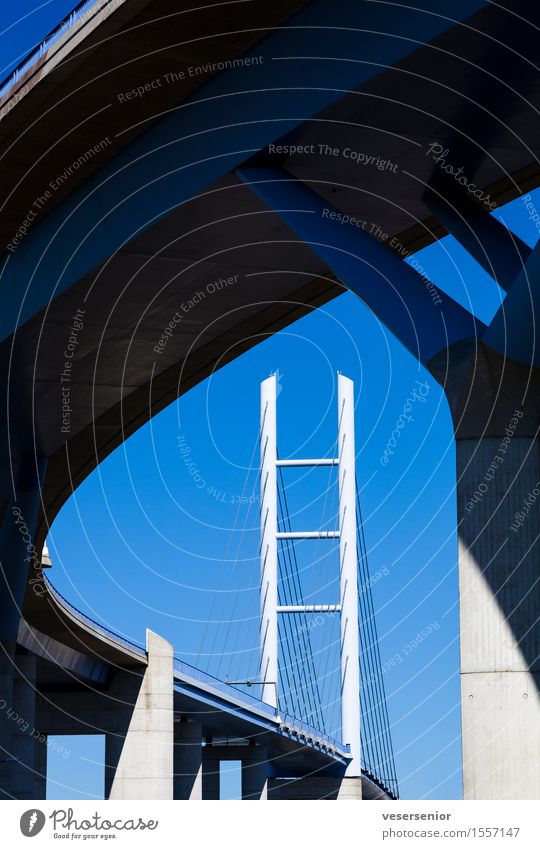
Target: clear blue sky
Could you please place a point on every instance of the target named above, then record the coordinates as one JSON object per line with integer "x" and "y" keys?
{"x": 141, "y": 544}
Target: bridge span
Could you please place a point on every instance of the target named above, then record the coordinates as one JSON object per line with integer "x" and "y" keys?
{"x": 182, "y": 182}
{"x": 83, "y": 679}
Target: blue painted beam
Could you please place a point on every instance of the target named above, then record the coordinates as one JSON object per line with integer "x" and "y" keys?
{"x": 499, "y": 251}
{"x": 234, "y": 115}
{"x": 515, "y": 328}
{"x": 17, "y": 552}
{"x": 400, "y": 297}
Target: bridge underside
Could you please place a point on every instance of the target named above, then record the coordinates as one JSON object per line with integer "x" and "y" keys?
{"x": 220, "y": 229}
{"x": 80, "y": 679}
{"x": 157, "y": 264}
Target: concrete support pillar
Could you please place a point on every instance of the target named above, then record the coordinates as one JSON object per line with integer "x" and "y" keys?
{"x": 255, "y": 770}
{"x": 315, "y": 788}
{"x": 17, "y": 725}
{"x": 23, "y": 726}
{"x": 139, "y": 761}
{"x": 188, "y": 760}
{"x": 7, "y": 660}
{"x": 255, "y": 773}
{"x": 210, "y": 775}
{"x": 495, "y": 405}
{"x": 499, "y": 588}
{"x": 17, "y": 550}
{"x": 40, "y": 766}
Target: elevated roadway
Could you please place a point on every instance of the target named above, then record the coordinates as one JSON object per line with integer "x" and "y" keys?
{"x": 81, "y": 667}
{"x": 142, "y": 249}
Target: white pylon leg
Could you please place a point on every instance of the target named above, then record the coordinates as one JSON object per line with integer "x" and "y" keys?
{"x": 269, "y": 554}
{"x": 348, "y": 580}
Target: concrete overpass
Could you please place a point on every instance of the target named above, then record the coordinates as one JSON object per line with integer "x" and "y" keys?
{"x": 167, "y": 724}
{"x": 155, "y": 159}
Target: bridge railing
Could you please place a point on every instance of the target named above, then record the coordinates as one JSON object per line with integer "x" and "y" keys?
{"x": 78, "y": 13}
{"x": 288, "y": 721}
{"x": 312, "y": 733}
{"x": 184, "y": 668}
{"x": 96, "y": 626}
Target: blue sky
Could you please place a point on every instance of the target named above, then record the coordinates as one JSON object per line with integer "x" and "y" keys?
{"x": 142, "y": 544}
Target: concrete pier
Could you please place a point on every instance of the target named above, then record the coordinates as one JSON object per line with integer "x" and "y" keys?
{"x": 7, "y": 657}
{"x": 17, "y": 537}
{"x": 141, "y": 758}
{"x": 23, "y": 743}
{"x": 188, "y": 760}
{"x": 210, "y": 774}
{"x": 499, "y": 590}
{"x": 21, "y": 761}
{"x": 40, "y": 766}
{"x": 255, "y": 773}
{"x": 255, "y": 770}
{"x": 495, "y": 404}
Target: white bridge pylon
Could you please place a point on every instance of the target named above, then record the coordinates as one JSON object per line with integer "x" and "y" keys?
{"x": 348, "y": 577}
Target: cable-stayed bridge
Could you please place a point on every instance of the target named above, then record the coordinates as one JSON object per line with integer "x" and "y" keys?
{"x": 291, "y": 158}
{"x": 299, "y": 702}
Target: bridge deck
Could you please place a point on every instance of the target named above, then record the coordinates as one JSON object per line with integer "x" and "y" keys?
{"x": 80, "y": 648}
